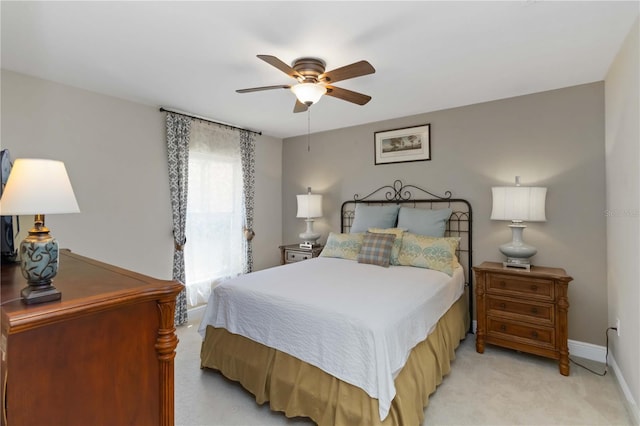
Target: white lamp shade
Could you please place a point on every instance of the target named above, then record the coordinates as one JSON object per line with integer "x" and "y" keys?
{"x": 309, "y": 93}
{"x": 309, "y": 205}
{"x": 519, "y": 203}
{"x": 38, "y": 186}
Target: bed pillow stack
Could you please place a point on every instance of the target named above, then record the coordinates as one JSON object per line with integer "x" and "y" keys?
{"x": 393, "y": 235}
{"x": 374, "y": 249}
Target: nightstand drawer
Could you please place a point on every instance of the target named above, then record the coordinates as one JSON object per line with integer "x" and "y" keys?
{"x": 297, "y": 256}
{"x": 523, "y": 333}
{"x": 292, "y": 253}
{"x": 532, "y": 288}
{"x": 539, "y": 313}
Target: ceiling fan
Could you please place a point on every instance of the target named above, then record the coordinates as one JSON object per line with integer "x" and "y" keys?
{"x": 313, "y": 81}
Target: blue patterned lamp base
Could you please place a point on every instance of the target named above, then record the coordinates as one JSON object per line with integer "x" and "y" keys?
{"x": 39, "y": 264}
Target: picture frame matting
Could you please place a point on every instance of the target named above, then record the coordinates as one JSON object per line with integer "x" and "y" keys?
{"x": 403, "y": 145}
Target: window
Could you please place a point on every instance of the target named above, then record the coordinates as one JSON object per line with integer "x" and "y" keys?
{"x": 214, "y": 248}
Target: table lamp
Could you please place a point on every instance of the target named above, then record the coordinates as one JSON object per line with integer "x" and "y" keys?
{"x": 309, "y": 207}
{"x": 518, "y": 204}
{"x": 38, "y": 187}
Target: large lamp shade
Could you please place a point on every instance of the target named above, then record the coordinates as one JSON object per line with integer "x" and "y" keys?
{"x": 518, "y": 204}
{"x": 521, "y": 203}
{"x": 309, "y": 207}
{"x": 38, "y": 187}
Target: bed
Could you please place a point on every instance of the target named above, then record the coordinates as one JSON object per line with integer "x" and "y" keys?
{"x": 345, "y": 338}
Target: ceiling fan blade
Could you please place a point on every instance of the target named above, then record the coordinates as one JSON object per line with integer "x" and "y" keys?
{"x": 356, "y": 69}
{"x": 300, "y": 107}
{"x": 272, "y": 60}
{"x": 348, "y": 95}
{"x": 257, "y": 89}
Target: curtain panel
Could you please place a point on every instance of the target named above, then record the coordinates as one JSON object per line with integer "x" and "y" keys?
{"x": 215, "y": 210}
{"x": 178, "y": 133}
{"x": 248, "y": 158}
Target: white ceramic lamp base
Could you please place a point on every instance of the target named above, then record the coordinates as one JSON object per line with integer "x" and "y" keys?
{"x": 517, "y": 251}
{"x": 309, "y": 237}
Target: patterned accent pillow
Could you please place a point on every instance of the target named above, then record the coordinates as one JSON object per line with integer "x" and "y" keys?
{"x": 376, "y": 249}
{"x": 343, "y": 246}
{"x": 429, "y": 252}
{"x": 397, "y": 244}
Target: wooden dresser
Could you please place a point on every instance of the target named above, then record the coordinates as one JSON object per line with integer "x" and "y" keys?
{"x": 103, "y": 355}
{"x": 523, "y": 310}
{"x": 294, "y": 253}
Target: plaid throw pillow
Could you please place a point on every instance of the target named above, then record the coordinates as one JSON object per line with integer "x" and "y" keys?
{"x": 397, "y": 244}
{"x": 376, "y": 249}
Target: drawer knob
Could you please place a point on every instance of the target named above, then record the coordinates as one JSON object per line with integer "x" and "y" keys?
{"x": 503, "y": 284}
{"x": 503, "y": 305}
{"x": 534, "y": 310}
{"x": 534, "y": 288}
{"x": 503, "y": 327}
{"x": 534, "y": 334}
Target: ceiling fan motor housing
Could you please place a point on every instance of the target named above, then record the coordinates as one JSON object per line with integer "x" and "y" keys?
{"x": 309, "y": 68}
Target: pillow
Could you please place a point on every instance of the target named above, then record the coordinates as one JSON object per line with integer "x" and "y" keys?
{"x": 374, "y": 217}
{"x": 429, "y": 252}
{"x": 397, "y": 244}
{"x": 424, "y": 222}
{"x": 376, "y": 249}
{"x": 343, "y": 246}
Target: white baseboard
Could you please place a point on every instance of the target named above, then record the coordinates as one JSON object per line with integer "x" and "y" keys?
{"x": 598, "y": 353}
{"x": 587, "y": 350}
{"x": 632, "y": 406}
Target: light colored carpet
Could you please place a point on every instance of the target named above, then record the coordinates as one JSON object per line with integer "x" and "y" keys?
{"x": 499, "y": 387}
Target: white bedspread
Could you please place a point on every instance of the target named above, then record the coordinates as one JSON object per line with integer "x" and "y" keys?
{"x": 354, "y": 321}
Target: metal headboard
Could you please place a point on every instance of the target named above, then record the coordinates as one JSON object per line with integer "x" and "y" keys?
{"x": 459, "y": 224}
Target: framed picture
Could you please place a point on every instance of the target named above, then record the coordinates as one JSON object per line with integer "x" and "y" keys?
{"x": 403, "y": 145}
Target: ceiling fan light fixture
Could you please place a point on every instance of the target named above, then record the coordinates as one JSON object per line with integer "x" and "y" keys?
{"x": 309, "y": 93}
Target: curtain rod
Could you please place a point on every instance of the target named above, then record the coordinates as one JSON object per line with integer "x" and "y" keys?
{"x": 163, "y": 109}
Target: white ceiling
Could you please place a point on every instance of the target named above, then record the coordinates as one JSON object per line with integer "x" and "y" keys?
{"x": 191, "y": 56}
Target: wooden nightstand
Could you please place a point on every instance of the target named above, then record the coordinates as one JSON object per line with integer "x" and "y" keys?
{"x": 294, "y": 253}
{"x": 523, "y": 310}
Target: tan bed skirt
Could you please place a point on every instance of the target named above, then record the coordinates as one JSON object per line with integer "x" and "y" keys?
{"x": 300, "y": 389}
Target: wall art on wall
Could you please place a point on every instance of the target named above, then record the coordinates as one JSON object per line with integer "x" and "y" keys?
{"x": 403, "y": 145}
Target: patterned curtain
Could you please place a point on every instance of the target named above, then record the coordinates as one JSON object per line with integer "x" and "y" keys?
{"x": 248, "y": 158}
{"x": 178, "y": 132}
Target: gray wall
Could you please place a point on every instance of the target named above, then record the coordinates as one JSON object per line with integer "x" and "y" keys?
{"x": 115, "y": 154}
{"x": 623, "y": 206}
{"x": 553, "y": 139}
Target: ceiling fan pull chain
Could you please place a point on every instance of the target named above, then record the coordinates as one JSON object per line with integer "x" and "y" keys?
{"x": 309, "y": 130}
